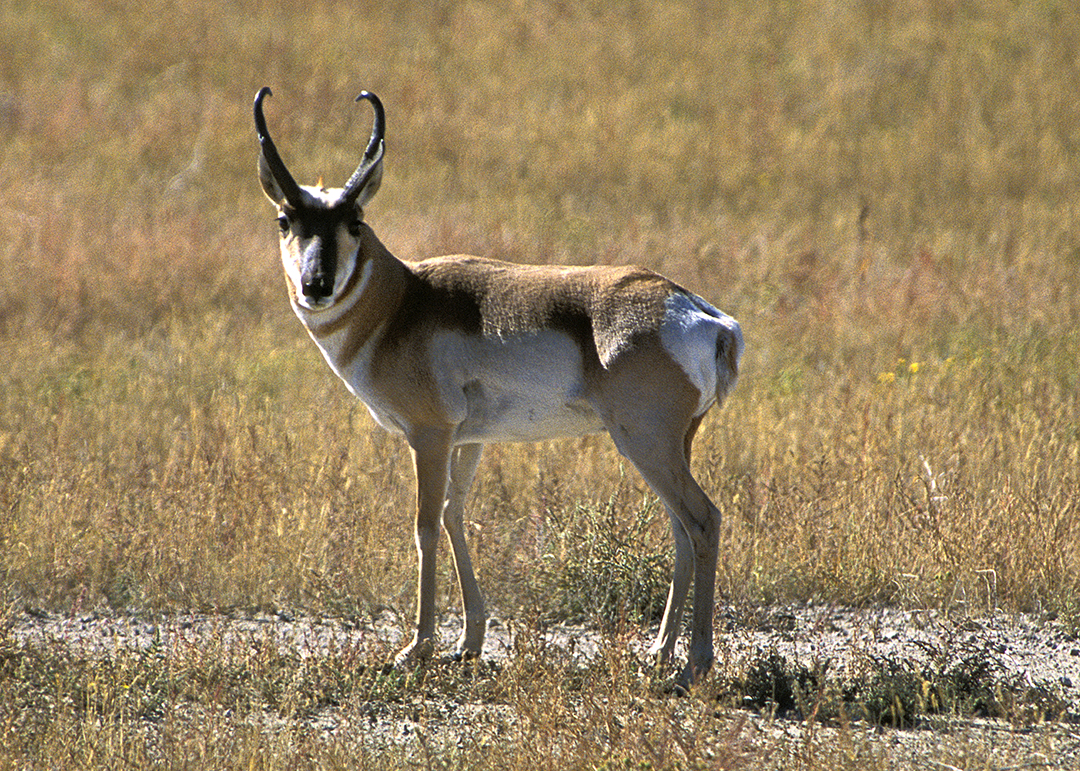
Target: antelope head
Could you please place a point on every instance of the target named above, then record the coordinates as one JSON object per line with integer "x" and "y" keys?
{"x": 320, "y": 228}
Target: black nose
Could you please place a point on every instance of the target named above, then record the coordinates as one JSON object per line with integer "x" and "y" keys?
{"x": 317, "y": 287}
{"x": 318, "y": 268}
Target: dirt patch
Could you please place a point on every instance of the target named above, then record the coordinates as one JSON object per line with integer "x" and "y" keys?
{"x": 900, "y": 688}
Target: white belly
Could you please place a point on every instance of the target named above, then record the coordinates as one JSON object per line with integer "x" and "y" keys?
{"x": 524, "y": 388}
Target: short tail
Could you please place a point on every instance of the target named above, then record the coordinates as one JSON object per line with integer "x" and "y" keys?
{"x": 729, "y": 350}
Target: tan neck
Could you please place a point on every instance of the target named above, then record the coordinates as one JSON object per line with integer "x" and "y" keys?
{"x": 374, "y": 292}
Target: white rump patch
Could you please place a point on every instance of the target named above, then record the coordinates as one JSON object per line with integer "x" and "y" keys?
{"x": 690, "y": 333}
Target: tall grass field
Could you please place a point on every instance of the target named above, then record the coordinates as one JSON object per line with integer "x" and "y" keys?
{"x": 885, "y": 194}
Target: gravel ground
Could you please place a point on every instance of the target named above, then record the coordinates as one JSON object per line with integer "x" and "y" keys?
{"x": 1035, "y": 658}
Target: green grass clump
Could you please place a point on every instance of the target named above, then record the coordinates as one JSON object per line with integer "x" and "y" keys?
{"x": 604, "y": 570}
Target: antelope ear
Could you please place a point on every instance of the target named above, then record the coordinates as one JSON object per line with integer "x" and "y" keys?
{"x": 371, "y": 184}
{"x": 269, "y": 184}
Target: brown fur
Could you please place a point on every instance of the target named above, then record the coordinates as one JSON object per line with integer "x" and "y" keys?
{"x": 611, "y": 305}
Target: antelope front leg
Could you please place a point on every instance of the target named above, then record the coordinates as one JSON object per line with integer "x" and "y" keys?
{"x": 431, "y": 460}
{"x": 462, "y": 468}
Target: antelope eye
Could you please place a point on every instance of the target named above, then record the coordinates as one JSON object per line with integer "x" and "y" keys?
{"x": 283, "y": 223}
{"x": 353, "y": 226}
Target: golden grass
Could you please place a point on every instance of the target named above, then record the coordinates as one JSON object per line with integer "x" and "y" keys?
{"x": 905, "y": 430}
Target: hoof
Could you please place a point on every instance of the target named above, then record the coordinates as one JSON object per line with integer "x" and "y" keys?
{"x": 464, "y": 654}
{"x": 414, "y": 653}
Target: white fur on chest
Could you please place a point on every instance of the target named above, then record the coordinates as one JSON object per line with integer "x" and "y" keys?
{"x": 356, "y": 374}
{"x": 354, "y": 371}
{"x": 522, "y": 388}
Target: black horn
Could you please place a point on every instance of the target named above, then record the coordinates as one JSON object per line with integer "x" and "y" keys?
{"x": 374, "y": 152}
{"x": 281, "y": 175}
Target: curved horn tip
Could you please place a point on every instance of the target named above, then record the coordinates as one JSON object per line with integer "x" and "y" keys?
{"x": 260, "y": 121}
{"x": 376, "y": 102}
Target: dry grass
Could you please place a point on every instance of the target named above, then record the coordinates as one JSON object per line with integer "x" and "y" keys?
{"x": 906, "y": 430}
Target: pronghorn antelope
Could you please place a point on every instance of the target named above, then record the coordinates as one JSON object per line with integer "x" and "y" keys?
{"x": 455, "y": 352}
